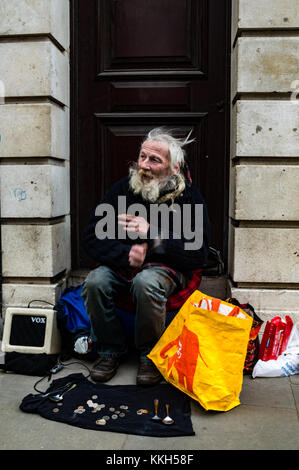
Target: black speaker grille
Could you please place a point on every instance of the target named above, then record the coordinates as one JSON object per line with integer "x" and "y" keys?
{"x": 28, "y": 330}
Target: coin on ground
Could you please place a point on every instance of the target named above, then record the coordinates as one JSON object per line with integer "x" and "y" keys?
{"x": 101, "y": 422}
{"x": 142, "y": 411}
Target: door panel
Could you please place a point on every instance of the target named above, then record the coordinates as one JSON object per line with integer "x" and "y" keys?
{"x": 141, "y": 37}
{"x": 138, "y": 64}
{"x": 134, "y": 96}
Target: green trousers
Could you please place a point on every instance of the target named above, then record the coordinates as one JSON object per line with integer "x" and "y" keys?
{"x": 150, "y": 289}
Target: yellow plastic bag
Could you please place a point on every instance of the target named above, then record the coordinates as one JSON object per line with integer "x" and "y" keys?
{"x": 203, "y": 351}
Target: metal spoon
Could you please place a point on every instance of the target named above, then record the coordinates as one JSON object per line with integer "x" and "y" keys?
{"x": 55, "y": 392}
{"x": 59, "y": 396}
{"x": 156, "y": 417}
{"x": 167, "y": 419}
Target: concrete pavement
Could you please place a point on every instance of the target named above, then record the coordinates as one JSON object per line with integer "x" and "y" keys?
{"x": 267, "y": 419}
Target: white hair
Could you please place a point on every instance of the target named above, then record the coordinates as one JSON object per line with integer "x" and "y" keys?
{"x": 175, "y": 145}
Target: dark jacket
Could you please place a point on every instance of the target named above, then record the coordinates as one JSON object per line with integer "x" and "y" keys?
{"x": 171, "y": 251}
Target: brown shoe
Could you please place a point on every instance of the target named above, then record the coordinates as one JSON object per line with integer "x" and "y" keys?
{"x": 104, "y": 369}
{"x": 147, "y": 373}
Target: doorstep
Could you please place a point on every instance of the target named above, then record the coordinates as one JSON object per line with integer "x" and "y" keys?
{"x": 215, "y": 286}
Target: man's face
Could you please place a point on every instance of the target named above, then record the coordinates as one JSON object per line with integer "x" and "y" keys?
{"x": 154, "y": 161}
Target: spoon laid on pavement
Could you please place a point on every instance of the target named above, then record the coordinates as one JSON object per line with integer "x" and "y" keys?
{"x": 167, "y": 419}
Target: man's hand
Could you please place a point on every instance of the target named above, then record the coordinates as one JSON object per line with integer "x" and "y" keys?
{"x": 137, "y": 255}
{"x": 132, "y": 223}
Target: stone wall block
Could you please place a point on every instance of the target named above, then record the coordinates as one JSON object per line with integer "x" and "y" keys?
{"x": 22, "y": 17}
{"x": 35, "y": 250}
{"x": 266, "y": 64}
{"x": 33, "y": 69}
{"x": 34, "y": 130}
{"x": 265, "y": 255}
{"x": 265, "y": 192}
{"x": 40, "y": 191}
{"x": 265, "y": 129}
{"x": 19, "y": 295}
{"x": 268, "y": 303}
{"x": 273, "y": 299}
{"x": 235, "y": 19}
{"x": 268, "y": 14}
{"x": 60, "y": 132}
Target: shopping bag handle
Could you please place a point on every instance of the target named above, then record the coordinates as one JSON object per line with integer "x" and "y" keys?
{"x": 215, "y": 305}
{"x": 235, "y": 312}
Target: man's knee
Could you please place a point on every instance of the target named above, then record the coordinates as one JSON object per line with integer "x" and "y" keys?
{"x": 147, "y": 281}
{"x": 97, "y": 280}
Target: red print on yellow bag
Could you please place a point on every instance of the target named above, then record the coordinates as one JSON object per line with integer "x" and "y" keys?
{"x": 184, "y": 360}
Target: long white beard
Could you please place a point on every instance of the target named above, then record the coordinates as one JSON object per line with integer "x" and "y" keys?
{"x": 151, "y": 189}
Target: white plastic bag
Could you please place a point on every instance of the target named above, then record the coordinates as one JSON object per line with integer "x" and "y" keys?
{"x": 82, "y": 345}
{"x": 286, "y": 364}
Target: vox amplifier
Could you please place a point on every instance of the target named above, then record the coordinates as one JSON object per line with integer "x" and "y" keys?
{"x": 31, "y": 330}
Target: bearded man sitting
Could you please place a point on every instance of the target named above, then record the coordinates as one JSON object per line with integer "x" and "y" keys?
{"x": 150, "y": 259}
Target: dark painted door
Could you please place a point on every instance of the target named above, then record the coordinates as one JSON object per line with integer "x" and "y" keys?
{"x": 138, "y": 64}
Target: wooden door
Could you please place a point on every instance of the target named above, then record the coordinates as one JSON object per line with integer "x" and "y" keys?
{"x": 138, "y": 64}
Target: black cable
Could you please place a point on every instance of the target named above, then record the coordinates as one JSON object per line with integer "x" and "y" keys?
{"x": 36, "y": 383}
{"x": 77, "y": 362}
{"x": 49, "y": 375}
{"x": 37, "y": 300}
